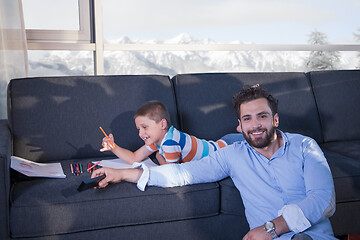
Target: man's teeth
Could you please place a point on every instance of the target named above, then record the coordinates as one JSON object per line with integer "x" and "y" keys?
{"x": 257, "y": 133}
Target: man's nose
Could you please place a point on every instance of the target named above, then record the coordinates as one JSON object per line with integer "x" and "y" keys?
{"x": 256, "y": 124}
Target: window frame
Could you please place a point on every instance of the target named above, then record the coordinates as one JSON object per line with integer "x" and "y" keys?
{"x": 83, "y": 35}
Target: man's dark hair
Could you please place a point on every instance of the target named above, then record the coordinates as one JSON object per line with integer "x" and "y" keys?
{"x": 155, "y": 110}
{"x": 249, "y": 93}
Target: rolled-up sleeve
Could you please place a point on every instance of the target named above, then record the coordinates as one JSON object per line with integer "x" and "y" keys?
{"x": 294, "y": 218}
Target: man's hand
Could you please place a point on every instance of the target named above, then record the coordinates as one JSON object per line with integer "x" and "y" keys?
{"x": 117, "y": 175}
{"x": 112, "y": 176}
{"x": 258, "y": 233}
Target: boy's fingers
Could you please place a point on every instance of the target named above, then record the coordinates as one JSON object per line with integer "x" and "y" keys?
{"x": 106, "y": 147}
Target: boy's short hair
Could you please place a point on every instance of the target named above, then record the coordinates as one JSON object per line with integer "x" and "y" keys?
{"x": 249, "y": 93}
{"x": 155, "y": 110}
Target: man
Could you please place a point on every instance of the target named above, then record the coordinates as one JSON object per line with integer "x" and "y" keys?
{"x": 284, "y": 179}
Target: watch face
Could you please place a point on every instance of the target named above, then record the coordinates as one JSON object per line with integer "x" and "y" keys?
{"x": 269, "y": 225}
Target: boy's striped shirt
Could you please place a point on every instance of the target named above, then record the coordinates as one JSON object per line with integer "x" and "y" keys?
{"x": 177, "y": 145}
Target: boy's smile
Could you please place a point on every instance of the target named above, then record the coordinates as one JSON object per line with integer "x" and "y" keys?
{"x": 150, "y": 131}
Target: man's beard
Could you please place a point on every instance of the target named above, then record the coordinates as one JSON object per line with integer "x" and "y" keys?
{"x": 261, "y": 142}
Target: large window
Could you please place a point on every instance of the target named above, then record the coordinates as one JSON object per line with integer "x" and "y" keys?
{"x": 182, "y": 36}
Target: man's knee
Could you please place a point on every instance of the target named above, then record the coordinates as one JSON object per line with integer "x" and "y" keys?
{"x": 301, "y": 236}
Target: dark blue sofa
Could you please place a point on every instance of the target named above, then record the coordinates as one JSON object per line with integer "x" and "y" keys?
{"x": 57, "y": 119}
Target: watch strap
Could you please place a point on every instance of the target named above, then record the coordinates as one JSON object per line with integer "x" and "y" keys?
{"x": 273, "y": 233}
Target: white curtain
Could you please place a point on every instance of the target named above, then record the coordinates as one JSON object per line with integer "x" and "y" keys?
{"x": 13, "y": 52}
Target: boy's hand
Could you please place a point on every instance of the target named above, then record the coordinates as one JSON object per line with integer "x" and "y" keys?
{"x": 106, "y": 143}
{"x": 112, "y": 176}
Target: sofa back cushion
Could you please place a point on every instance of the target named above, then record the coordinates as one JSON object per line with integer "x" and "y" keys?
{"x": 205, "y": 102}
{"x": 338, "y": 99}
{"x": 54, "y": 118}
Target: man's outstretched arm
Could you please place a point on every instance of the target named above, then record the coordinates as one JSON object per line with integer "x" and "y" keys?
{"x": 117, "y": 175}
{"x": 209, "y": 169}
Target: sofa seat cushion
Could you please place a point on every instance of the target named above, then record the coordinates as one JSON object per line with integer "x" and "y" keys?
{"x": 346, "y": 175}
{"x": 43, "y": 206}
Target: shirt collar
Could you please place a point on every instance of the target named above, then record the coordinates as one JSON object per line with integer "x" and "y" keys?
{"x": 167, "y": 136}
{"x": 283, "y": 148}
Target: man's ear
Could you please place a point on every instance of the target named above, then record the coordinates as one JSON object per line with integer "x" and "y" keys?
{"x": 276, "y": 120}
{"x": 238, "y": 128}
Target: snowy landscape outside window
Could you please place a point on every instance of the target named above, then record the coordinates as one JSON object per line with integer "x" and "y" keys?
{"x": 150, "y": 37}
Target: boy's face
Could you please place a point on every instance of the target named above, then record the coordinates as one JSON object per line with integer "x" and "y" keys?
{"x": 150, "y": 131}
{"x": 257, "y": 123}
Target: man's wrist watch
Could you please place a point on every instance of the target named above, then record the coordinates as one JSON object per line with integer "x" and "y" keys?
{"x": 270, "y": 228}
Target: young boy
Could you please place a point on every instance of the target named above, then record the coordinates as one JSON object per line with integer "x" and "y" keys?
{"x": 173, "y": 146}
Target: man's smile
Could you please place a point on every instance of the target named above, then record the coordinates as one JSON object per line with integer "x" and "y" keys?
{"x": 257, "y": 133}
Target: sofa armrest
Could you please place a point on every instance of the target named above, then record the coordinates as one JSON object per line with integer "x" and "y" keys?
{"x": 5, "y": 153}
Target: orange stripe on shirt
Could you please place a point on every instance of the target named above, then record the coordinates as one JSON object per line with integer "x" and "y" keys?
{"x": 193, "y": 150}
{"x": 221, "y": 143}
{"x": 172, "y": 156}
{"x": 153, "y": 147}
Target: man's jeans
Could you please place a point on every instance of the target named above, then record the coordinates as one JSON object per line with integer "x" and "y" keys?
{"x": 301, "y": 236}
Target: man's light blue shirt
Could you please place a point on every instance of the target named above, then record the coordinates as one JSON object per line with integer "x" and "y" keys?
{"x": 295, "y": 183}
